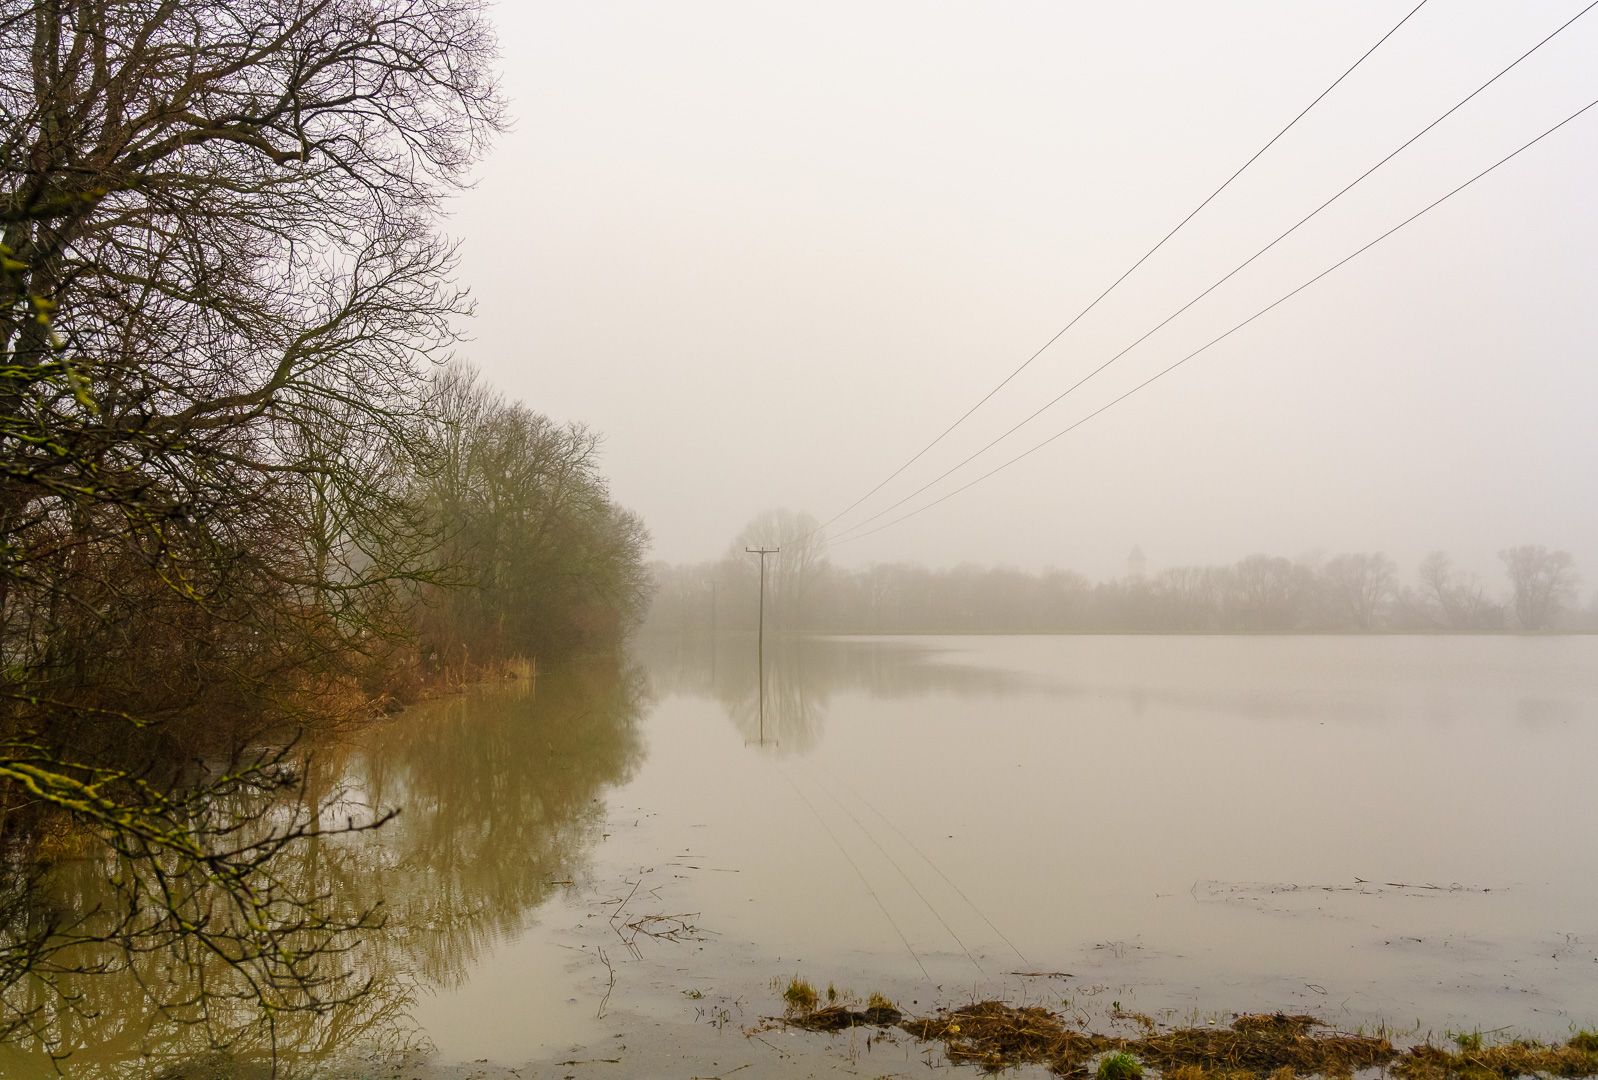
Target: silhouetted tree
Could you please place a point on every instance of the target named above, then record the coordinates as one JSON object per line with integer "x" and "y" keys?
{"x": 1544, "y": 581}
{"x": 1359, "y": 586}
{"x": 1266, "y": 592}
{"x": 1459, "y": 599}
{"x": 794, "y": 573}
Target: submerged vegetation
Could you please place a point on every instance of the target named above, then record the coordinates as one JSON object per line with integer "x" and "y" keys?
{"x": 245, "y": 498}
{"x": 994, "y": 1035}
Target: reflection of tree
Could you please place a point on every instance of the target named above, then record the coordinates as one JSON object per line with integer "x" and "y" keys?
{"x": 499, "y": 794}
{"x": 802, "y": 675}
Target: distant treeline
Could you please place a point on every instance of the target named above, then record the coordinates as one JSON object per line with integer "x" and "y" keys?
{"x": 1356, "y": 592}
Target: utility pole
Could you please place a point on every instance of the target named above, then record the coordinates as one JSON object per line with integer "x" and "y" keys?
{"x": 762, "y": 552}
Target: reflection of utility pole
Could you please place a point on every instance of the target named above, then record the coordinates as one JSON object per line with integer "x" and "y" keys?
{"x": 762, "y": 552}
{"x": 712, "y": 633}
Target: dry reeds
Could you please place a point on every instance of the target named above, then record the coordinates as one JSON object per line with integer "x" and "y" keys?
{"x": 1473, "y": 1061}
{"x": 995, "y": 1035}
{"x": 1264, "y": 1044}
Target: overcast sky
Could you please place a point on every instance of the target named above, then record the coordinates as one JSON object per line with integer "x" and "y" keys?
{"x": 771, "y": 250}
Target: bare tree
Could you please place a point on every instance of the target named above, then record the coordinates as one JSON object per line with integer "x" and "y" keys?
{"x": 1266, "y": 592}
{"x": 222, "y": 285}
{"x": 1544, "y": 582}
{"x": 548, "y": 561}
{"x": 795, "y": 571}
{"x": 1189, "y": 596}
{"x": 1359, "y": 585}
{"x": 1460, "y": 598}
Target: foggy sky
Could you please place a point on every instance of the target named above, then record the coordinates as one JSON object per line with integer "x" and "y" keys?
{"x": 770, "y": 250}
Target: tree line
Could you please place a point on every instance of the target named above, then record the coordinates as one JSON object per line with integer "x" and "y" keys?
{"x": 1353, "y": 592}
{"x": 246, "y": 492}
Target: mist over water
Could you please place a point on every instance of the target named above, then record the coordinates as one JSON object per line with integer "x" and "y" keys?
{"x": 1118, "y": 480}
{"x": 772, "y": 254}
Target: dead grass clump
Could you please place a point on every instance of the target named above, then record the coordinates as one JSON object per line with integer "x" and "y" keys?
{"x": 1195, "y": 1072}
{"x": 1264, "y": 1044}
{"x": 995, "y": 1035}
{"x": 883, "y": 1015}
{"x": 1473, "y": 1061}
{"x": 1276, "y": 1024}
{"x": 806, "y": 1011}
{"x": 839, "y": 1017}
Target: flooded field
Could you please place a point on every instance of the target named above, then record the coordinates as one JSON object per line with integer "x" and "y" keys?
{"x": 616, "y": 876}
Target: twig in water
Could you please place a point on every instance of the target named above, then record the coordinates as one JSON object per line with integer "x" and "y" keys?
{"x": 603, "y": 959}
{"x": 677, "y": 928}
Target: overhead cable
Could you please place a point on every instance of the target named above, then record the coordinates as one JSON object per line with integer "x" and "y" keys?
{"x": 1128, "y": 272}
{"x": 1222, "y": 280}
{"x": 1215, "y": 341}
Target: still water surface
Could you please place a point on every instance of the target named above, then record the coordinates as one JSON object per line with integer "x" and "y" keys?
{"x": 1373, "y": 829}
{"x": 1396, "y": 829}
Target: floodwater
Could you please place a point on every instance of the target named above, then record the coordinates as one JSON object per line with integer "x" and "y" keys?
{"x": 602, "y": 874}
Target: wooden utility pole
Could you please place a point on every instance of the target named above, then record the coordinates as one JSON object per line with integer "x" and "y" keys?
{"x": 762, "y": 552}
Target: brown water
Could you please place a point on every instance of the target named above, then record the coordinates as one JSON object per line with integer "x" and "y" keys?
{"x": 1393, "y": 830}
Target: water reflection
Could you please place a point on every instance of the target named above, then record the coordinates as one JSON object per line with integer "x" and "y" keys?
{"x": 803, "y": 674}
{"x": 1344, "y": 680}
{"x": 501, "y": 795}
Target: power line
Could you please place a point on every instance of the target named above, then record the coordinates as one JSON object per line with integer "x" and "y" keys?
{"x": 928, "y": 860}
{"x": 1221, "y": 281}
{"x": 858, "y": 872}
{"x": 936, "y": 914}
{"x": 1215, "y": 341}
{"x": 1145, "y": 257}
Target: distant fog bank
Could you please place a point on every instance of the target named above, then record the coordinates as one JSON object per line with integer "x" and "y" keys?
{"x": 1353, "y": 592}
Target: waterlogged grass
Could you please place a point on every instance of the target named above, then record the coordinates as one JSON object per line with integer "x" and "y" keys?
{"x": 806, "y": 1011}
{"x": 1472, "y": 1060}
{"x": 994, "y": 1035}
